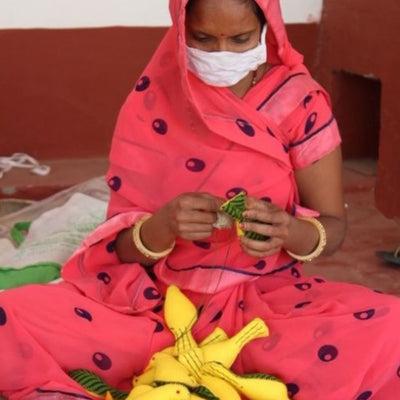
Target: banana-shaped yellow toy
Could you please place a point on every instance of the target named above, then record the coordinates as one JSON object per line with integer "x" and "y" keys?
{"x": 253, "y": 386}
{"x": 200, "y": 371}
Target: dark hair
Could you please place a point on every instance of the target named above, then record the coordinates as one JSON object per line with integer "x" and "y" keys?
{"x": 251, "y": 3}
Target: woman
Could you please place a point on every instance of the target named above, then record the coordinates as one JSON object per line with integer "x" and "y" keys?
{"x": 224, "y": 106}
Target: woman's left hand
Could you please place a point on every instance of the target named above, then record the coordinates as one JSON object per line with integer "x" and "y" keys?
{"x": 273, "y": 222}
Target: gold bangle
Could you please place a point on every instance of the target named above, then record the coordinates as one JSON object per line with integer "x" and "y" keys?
{"x": 141, "y": 247}
{"x": 321, "y": 242}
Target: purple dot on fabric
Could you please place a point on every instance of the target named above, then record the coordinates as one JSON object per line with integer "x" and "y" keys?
{"x": 364, "y": 315}
{"x": 115, "y": 183}
{"x": 111, "y": 246}
{"x": 217, "y": 316}
{"x": 295, "y": 272}
{"x": 102, "y": 361}
{"x": 159, "y": 327}
{"x": 241, "y": 305}
{"x": 303, "y": 286}
{"x": 270, "y": 132}
{"x": 267, "y": 199}
{"x": 319, "y": 280}
{"x": 103, "y": 276}
{"x": 307, "y": 100}
{"x": 303, "y": 304}
{"x": 200, "y": 310}
{"x": 143, "y": 84}
{"x": 271, "y": 342}
{"x": 260, "y": 265}
{"x": 245, "y": 127}
{"x": 80, "y": 312}
{"x": 233, "y": 192}
{"x": 195, "y": 165}
{"x": 293, "y": 389}
{"x": 150, "y": 99}
{"x": 328, "y": 353}
{"x": 3, "y": 317}
{"x": 158, "y": 309}
{"x": 365, "y": 396}
{"x": 312, "y": 119}
{"x": 160, "y": 126}
{"x": 151, "y": 293}
{"x": 202, "y": 245}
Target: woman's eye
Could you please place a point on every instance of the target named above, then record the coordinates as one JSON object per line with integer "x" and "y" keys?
{"x": 240, "y": 39}
{"x": 201, "y": 39}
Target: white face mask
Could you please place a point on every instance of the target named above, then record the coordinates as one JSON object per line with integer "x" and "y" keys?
{"x": 226, "y": 68}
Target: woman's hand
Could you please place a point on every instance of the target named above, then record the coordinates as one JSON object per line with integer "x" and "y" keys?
{"x": 190, "y": 216}
{"x": 272, "y": 221}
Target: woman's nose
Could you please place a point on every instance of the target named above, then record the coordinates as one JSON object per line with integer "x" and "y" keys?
{"x": 220, "y": 45}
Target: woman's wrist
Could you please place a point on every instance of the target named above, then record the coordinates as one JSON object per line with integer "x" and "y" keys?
{"x": 319, "y": 247}
{"x": 304, "y": 238}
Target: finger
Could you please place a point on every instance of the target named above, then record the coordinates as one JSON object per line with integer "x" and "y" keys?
{"x": 195, "y": 216}
{"x": 272, "y": 231}
{"x": 261, "y": 253}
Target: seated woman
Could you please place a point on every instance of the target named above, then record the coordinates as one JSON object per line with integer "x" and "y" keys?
{"x": 224, "y": 106}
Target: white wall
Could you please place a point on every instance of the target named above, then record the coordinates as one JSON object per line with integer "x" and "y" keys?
{"x": 99, "y": 13}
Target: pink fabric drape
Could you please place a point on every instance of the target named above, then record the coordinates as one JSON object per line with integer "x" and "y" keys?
{"x": 329, "y": 341}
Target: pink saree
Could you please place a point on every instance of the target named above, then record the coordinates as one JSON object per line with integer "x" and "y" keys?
{"x": 328, "y": 341}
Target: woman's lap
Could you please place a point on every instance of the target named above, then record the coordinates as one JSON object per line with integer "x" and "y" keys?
{"x": 326, "y": 339}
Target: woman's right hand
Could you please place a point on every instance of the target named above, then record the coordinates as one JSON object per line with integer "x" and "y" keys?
{"x": 190, "y": 216}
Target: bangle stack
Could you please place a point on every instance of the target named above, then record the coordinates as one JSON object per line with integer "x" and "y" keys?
{"x": 321, "y": 242}
{"x": 137, "y": 240}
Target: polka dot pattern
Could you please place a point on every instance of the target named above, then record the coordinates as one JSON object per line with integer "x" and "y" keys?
{"x": 295, "y": 272}
{"x": 245, "y": 127}
{"x": 159, "y": 327}
{"x": 143, "y": 84}
{"x": 80, "y": 312}
{"x": 365, "y": 396}
{"x": 3, "y": 316}
{"x": 217, "y": 316}
{"x": 312, "y": 119}
{"x": 160, "y": 126}
{"x": 233, "y": 192}
{"x": 102, "y": 361}
{"x": 293, "y": 389}
{"x": 111, "y": 246}
{"x": 241, "y": 305}
{"x": 115, "y": 183}
{"x": 151, "y": 293}
{"x": 328, "y": 353}
{"x": 202, "y": 245}
{"x": 104, "y": 277}
{"x": 364, "y": 315}
{"x": 195, "y": 165}
{"x": 303, "y": 304}
{"x": 307, "y": 100}
{"x": 303, "y": 286}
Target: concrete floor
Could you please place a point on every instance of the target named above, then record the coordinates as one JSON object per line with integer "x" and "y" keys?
{"x": 369, "y": 231}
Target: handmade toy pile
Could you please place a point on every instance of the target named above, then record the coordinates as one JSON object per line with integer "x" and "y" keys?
{"x": 190, "y": 370}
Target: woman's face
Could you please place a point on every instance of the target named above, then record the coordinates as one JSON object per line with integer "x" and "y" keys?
{"x": 222, "y": 25}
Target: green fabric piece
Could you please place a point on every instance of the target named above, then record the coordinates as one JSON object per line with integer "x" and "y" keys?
{"x": 19, "y": 230}
{"x": 36, "y": 273}
{"x": 235, "y": 208}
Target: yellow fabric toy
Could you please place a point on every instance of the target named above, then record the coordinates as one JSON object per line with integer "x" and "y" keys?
{"x": 192, "y": 371}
